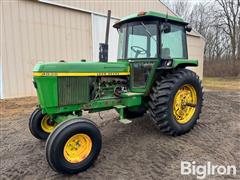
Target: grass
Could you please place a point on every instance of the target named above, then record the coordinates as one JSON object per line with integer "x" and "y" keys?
{"x": 215, "y": 83}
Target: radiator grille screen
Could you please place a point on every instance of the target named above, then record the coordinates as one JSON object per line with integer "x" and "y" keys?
{"x": 73, "y": 90}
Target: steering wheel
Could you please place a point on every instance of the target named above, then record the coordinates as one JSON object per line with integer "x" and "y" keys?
{"x": 138, "y": 50}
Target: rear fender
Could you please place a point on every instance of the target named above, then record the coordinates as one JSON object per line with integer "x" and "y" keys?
{"x": 184, "y": 63}
{"x": 177, "y": 63}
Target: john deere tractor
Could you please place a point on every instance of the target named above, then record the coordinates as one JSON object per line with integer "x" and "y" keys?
{"x": 149, "y": 76}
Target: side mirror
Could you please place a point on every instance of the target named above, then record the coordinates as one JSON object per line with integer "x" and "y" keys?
{"x": 166, "y": 27}
{"x": 188, "y": 28}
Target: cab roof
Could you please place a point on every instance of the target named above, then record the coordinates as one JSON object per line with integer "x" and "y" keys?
{"x": 149, "y": 14}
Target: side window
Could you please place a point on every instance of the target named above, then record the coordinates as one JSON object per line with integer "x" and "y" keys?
{"x": 122, "y": 42}
{"x": 173, "y": 43}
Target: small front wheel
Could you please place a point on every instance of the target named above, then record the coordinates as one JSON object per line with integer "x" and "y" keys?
{"x": 41, "y": 125}
{"x": 73, "y": 146}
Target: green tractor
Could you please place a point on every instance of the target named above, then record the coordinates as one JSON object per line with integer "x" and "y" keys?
{"x": 150, "y": 75}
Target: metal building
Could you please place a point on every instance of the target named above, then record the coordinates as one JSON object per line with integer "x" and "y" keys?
{"x": 71, "y": 30}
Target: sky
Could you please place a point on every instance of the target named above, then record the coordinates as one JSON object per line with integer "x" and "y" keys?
{"x": 191, "y": 1}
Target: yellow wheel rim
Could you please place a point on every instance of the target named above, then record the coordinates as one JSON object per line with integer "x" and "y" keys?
{"x": 46, "y": 126}
{"x": 77, "y": 148}
{"x": 184, "y": 104}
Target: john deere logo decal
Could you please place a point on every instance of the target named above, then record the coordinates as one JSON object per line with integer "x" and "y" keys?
{"x": 80, "y": 73}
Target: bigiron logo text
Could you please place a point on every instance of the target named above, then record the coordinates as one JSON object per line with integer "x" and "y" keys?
{"x": 208, "y": 169}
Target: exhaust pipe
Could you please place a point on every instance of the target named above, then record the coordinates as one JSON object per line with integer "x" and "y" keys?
{"x": 103, "y": 47}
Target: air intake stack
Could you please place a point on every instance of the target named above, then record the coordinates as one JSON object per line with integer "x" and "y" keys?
{"x": 103, "y": 47}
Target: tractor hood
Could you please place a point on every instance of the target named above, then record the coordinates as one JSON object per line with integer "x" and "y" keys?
{"x": 81, "y": 69}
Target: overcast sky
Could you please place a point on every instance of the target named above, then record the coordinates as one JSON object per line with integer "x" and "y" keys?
{"x": 191, "y": 1}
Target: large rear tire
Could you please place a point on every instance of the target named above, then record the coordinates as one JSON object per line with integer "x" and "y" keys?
{"x": 73, "y": 146}
{"x": 176, "y": 102}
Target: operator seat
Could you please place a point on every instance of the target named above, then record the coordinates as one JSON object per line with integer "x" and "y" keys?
{"x": 166, "y": 53}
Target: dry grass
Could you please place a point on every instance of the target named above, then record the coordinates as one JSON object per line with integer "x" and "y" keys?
{"x": 221, "y": 68}
{"x": 232, "y": 84}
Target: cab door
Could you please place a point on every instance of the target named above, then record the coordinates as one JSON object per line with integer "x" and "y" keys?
{"x": 141, "y": 73}
{"x": 141, "y": 52}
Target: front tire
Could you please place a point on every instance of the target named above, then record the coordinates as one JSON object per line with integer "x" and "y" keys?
{"x": 40, "y": 125}
{"x": 73, "y": 146}
{"x": 176, "y": 102}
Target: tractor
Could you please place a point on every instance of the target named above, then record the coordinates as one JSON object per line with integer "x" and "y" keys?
{"x": 150, "y": 77}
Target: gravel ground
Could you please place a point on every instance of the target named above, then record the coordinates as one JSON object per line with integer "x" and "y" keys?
{"x": 134, "y": 151}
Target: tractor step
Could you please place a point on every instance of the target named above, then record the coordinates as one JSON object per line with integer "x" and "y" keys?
{"x": 119, "y": 106}
{"x": 120, "y": 109}
{"x": 125, "y": 121}
{"x": 129, "y": 94}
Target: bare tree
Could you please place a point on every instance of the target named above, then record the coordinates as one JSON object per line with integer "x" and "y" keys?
{"x": 228, "y": 14}
{"x": 181, "y": 8}
{"x": 202, "y": 18}
{"x": 238, "y": 32}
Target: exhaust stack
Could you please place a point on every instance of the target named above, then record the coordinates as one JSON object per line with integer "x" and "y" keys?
{"x": 103, "y": 47}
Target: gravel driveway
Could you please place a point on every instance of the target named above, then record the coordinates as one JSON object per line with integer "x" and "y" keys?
{"x": 134, "y": 151}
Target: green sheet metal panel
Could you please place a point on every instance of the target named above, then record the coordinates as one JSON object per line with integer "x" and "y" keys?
{"x": 84, "y": 67}
{"x": 187, "y": 62}
{"x": 47, "y": 91}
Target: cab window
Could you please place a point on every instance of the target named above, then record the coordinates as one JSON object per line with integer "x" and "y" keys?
{"x": 173, "y": 43}
{"x": 138, "y": 40}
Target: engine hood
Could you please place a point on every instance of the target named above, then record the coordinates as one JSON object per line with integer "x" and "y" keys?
{"x": 81, "y": 69}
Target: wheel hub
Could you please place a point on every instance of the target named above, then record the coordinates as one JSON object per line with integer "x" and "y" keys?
{"x": 77, "y": 148}
{"x": 184, "y": 103}
{"x": 47, "y": 124}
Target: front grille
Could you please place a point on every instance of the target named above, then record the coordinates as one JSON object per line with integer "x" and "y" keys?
{"x": 73, "y": 90}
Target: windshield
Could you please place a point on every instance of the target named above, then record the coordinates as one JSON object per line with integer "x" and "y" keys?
{"x": 173, "y": 43}
{"x": 139, "y": 41}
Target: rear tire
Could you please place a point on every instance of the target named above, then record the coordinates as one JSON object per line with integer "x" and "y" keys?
{"x": 73, "y": 146}
{"x": 163, "y": 112}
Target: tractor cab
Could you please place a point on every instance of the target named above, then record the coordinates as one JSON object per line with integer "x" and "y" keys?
{"x": 150, "y": 38}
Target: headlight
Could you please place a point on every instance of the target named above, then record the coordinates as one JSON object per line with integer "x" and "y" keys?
{"x": 167, "y": 63}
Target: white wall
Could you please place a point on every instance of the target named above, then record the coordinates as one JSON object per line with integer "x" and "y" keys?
{"x": 98, "y": 36}
{"x": 33, "y": 32}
